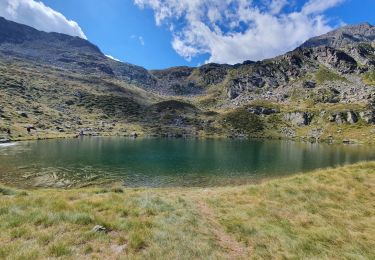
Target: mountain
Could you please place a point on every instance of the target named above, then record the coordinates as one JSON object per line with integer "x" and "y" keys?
{"x": 63, "y": 51}
{"x": 344, "y": 36}
{"x": 58, "y": 85}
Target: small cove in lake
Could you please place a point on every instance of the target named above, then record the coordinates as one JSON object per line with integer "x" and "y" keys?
{"x": 165, "y": 162}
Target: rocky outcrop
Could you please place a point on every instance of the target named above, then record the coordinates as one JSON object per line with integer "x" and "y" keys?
{"x": 309, "y": 84}
{"x": 363, "y": 53}
{"x": 351, "y": 117}
{"x": 262, "y": 111}
{"x": 335, "y": 59}
{"x": 177, "y": 81}
{"x": 368, "y": 116}
{"x": 347, "y": 117}
{"x": 299, "y": 118}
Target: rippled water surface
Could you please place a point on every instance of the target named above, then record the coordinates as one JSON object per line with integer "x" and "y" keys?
{"x": 165, "y": 162}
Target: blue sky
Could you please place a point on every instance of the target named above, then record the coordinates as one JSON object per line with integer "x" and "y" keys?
{"x": 192, "y": 34}
{"x": 116, "y": 25}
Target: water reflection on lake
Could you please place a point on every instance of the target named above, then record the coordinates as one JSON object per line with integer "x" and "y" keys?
{"x": 165, "y": 162}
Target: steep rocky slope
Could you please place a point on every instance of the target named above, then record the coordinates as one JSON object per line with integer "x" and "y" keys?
{"x": 53, "y": 84}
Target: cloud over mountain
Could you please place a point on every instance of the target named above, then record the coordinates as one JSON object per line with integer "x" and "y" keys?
{"x": 232, "y": 31}
{"x": 39, "y": 16}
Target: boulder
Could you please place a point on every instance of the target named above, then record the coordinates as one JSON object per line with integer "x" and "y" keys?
{"x": 340, "y": 118}
{"x": 368, "y": 116}
{"x": 69, "y": 102}
{"x": 60, "y": 129}
{"x": 309, "y": 84}
{"x": 352, "y": 117}
{"x": 288, "y": 132}
{"x": 299, "y": 118}
{"x": 258, "y": 110}
{"x": 99, "y": 229}
{"x": 22, "y": 114}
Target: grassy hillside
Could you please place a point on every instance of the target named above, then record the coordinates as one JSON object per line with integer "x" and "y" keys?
{"x": 58, "y": 103}
{"x": 327, "y": 214}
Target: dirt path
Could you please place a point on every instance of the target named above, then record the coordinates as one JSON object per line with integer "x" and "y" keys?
{"x": 235, "y": 249}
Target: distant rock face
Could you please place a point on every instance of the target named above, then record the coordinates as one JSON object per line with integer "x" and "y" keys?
{"x": 343, "y": 36}
{"x": 188, "y": 80}
{"x": 335, "y": 59}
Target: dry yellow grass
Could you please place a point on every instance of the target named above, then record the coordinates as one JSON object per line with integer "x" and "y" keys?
{"x": 327, "y": 214}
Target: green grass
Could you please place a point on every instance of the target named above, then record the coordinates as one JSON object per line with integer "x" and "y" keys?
{"x": 324, "y": 74}
{"x": 327, "y": 214}
{"x": 243, "y": 122}
{"x": 369, "y": 78}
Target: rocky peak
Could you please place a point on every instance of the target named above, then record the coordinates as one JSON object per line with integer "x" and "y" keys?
{"x": 344, "y": 36}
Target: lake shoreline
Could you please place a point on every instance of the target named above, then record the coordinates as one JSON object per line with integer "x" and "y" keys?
{"x": 295, "y": 139}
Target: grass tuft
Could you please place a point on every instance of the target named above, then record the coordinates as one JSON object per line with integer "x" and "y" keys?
{"x": 59, "y": 250}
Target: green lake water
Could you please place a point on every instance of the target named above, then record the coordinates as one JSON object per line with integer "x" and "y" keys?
{"x": 165, "y": 162}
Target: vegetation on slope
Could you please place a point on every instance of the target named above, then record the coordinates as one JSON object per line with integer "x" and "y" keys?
{"x": 324, "y": 74}
{"x": 240, "y": 121}
{"x": 369, "y": 78}
{"x": 326, "y": 214}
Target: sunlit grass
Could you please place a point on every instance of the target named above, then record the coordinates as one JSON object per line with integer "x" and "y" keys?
{"x": 327, "y": 214}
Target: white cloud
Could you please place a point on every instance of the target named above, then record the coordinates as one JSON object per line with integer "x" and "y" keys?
{"x": 276, "y": 6}
{"x": 232, "y": 31}
{"x": 39, "y": 16}
{"x": 139, "y": 38}
{"x": 318, "y": 6}
{"x": 111, "y": 57}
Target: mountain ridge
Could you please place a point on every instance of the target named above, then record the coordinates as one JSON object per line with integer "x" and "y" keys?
{"x": 362, "y": 32}
{"x": 75, "y": 53}
{"x": 66, "y": 85}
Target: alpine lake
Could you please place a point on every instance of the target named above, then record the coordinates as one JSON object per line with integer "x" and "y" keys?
{"x": 148, "y": 162}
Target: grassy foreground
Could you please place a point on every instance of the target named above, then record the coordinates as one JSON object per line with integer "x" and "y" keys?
{"x": 325, "y": 214}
